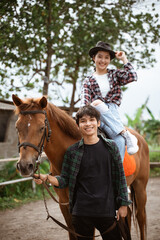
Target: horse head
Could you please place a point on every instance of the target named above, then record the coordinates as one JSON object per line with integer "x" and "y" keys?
{"x": 33, "y": 132}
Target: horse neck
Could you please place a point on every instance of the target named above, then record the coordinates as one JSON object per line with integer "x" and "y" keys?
{"x": 57, "y": 146}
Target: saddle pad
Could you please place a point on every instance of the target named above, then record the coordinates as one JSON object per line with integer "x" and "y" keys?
{"x": 129, "y": 164}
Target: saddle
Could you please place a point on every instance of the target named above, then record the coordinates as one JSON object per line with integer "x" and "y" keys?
{"x": 129, "y": 163}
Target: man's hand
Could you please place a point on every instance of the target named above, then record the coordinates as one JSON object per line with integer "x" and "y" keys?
{"x": 122, "y": 212}
{"x": 43, "y": 178}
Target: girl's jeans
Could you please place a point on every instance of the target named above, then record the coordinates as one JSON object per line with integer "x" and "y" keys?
{"x": 111, "y": 124}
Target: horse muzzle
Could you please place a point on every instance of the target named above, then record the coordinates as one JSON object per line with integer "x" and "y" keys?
{"x": 26, "y": 168}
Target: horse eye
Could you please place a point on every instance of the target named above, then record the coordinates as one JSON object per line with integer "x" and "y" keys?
{"x": 41, "y": 129}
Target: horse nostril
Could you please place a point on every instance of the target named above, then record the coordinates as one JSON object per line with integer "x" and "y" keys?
{"x": 30, "y": 166}
{"x": 18, "y": 167}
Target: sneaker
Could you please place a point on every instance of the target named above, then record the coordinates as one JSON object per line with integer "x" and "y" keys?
{"x": 131, "y": 142}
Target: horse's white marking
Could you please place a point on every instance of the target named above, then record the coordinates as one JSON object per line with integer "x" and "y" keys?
{"x": 30, "y": 118}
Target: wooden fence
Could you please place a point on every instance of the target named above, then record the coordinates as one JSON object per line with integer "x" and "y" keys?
{"x": 152, "y": 165}
{"x": 21, "y": 179}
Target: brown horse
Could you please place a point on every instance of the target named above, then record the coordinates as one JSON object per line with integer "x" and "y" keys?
{"x": 34, "y": 126}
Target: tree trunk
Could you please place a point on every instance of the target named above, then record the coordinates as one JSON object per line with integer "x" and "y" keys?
{"x": 49, "y": 50}
{"x": 74, "y": 80}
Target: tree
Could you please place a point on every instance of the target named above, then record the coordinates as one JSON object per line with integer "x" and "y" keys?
{"x": 138, "y": 122}
{"x": 51, "y": 38}
{"x": 150, "y": 128}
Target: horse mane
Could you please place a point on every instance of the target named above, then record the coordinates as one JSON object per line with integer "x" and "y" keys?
{"x": 64, "y": 121}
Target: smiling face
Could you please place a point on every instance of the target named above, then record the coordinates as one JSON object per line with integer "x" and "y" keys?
{"x": 102, "y": 60}
{"x": 88, "y": 126}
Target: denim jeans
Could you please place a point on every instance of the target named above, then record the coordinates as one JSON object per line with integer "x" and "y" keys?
{"x": 111, "y": 124}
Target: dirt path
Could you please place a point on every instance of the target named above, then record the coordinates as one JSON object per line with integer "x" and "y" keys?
{"x": 28, "y": 222}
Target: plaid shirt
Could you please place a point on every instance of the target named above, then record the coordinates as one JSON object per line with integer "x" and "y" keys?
{"x": 71, "y": 166}
{"x": 117, "y": 78}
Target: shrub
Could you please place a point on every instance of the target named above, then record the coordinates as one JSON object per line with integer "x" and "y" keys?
{"x": 15, "y": 194}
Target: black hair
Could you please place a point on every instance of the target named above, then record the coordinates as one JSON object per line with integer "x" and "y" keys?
{"x": 95, "y": 53}
{"x": 89, "y": 111}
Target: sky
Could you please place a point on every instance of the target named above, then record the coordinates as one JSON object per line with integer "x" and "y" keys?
{"x": 148, "y": 85}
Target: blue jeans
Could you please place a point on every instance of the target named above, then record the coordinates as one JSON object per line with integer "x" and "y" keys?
{"x": 111, "y": 124}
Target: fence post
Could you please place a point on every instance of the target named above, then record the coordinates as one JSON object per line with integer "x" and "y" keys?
{"x": 33, "y": 186}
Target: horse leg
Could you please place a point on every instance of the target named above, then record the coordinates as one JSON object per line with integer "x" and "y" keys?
{"x": 140, "y": 198}
{"x": 129, "y": 217}
{"x": 68, "y": 219}
{"x": 63, "y": 198}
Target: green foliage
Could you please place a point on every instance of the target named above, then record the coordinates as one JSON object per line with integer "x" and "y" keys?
{"x": 18, "y": 193}
{"x": 137, "y": 122}
{"x": 155, "y": 172}
{"x": 154, "y": 156}
{"x": 150, "y": 128}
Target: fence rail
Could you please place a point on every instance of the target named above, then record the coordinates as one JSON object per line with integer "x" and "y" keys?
{"x": 152, "y": 165}
{"x": 21, "y": 179}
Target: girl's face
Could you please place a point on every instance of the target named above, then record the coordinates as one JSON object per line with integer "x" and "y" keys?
{"x": 102, "y": 60}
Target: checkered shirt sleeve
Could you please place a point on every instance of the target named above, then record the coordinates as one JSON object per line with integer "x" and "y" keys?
{"x": 117, "y": 78}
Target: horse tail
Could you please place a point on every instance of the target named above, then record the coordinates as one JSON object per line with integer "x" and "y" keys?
{"x": 133, "y": 207}
{"x": 134, "y": 211}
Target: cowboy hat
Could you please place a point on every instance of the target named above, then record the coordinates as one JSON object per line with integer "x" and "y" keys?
{"x": 101, "y": 46}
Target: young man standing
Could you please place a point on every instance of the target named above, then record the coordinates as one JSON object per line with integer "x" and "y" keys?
{"x": 93, "y": 170}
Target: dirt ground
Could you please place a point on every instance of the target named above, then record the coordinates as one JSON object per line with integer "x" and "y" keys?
{"x": 29, "y": 221}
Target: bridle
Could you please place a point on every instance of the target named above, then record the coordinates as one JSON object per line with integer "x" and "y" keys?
{"x": 46, "y": 136}
{"x": 39, "y": 149}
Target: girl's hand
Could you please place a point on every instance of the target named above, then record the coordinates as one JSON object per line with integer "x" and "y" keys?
{"x": 120, "y": 55}
{"x": 43, "y": 178}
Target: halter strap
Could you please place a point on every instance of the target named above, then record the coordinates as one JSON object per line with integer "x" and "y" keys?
{"x": 40, "y": 146}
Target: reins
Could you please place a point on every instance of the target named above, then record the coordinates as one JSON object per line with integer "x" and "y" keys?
{"x": 40, "y": 146}
{"x": 39, "y": 149}
{"x": 67, "y": 228}
{"x": 61, "y": 224}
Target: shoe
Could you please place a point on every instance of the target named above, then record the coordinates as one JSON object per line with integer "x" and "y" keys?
{"x": 131, "y": 142}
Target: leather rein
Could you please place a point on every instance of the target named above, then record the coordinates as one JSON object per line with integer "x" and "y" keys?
{"x": 39, "y": 149}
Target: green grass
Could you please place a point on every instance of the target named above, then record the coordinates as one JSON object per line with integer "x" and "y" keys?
{"x": 16, "y": 194}
{"x": 154, "y": 156}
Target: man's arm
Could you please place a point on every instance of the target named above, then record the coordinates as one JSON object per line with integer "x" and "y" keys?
{"x": 46, "y": 177}
{"x": 60, "y": 181}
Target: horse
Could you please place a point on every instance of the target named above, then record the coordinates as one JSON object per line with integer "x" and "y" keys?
{"x": 36, "y": 119}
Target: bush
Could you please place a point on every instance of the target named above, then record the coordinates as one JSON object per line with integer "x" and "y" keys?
{"x": 18, "y": 193}
{"x": 154, "y": 156}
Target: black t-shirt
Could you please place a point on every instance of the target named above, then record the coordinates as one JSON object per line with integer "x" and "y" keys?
{"x": 94, "y": 191}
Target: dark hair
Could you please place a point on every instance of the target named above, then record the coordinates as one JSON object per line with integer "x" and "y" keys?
{"x": 89, "y": 111}
{"x": 98, "y": 51}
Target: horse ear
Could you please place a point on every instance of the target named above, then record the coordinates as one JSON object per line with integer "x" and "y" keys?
{"x": 16, "y": 100}
{"x": 43, "y": 102}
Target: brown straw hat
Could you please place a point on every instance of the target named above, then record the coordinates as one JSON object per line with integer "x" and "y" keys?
{"x": 101, "y": 46}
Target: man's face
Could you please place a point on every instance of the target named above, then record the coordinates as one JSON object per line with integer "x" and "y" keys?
{"x": 88, "y": 125}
